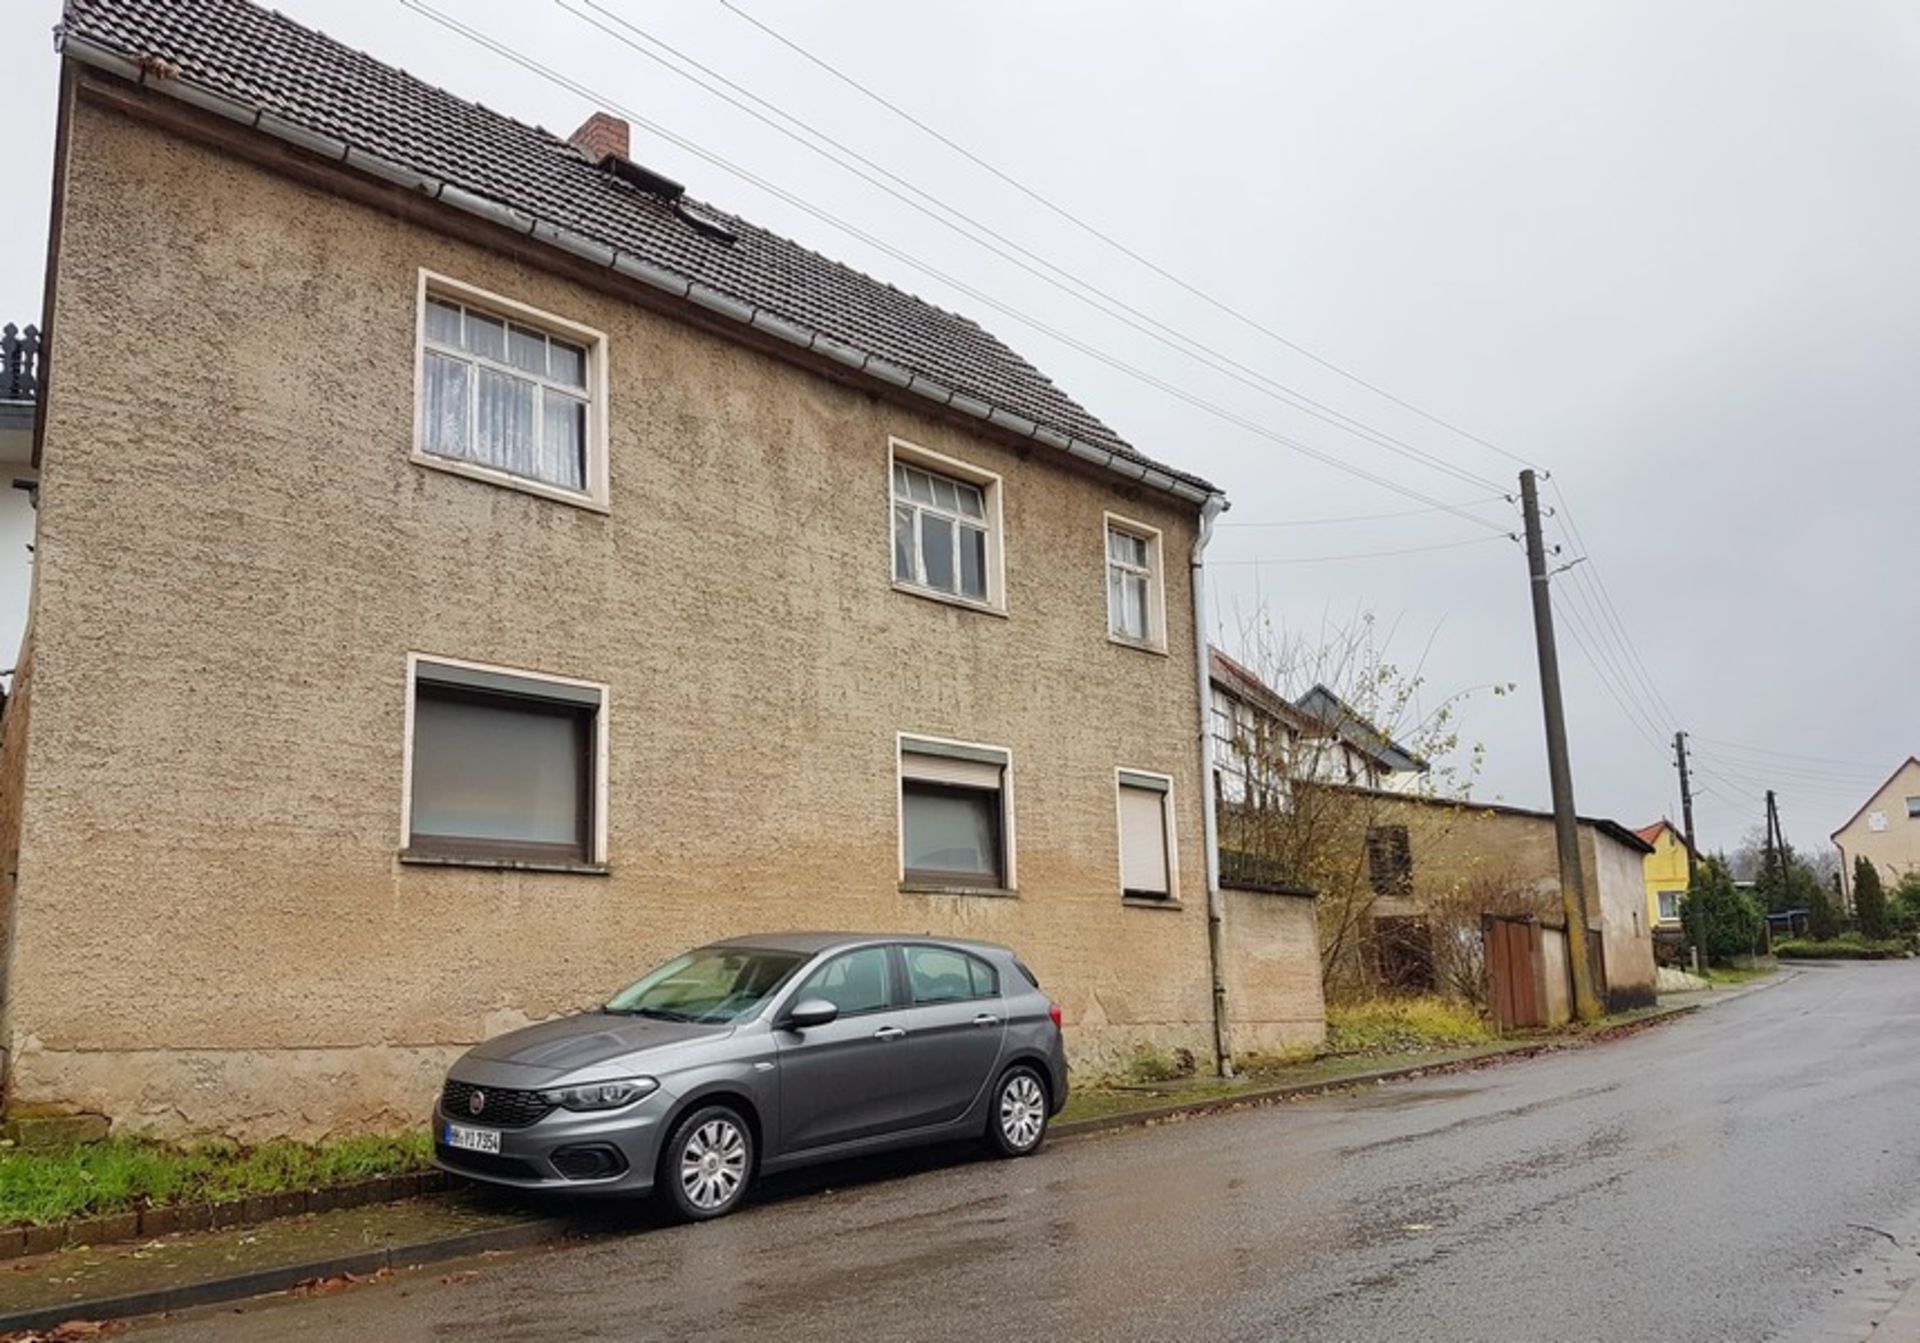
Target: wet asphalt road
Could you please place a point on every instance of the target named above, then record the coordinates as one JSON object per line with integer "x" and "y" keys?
{"x": 1712, "y": 1178}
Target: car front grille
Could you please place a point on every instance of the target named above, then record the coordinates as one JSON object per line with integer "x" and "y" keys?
{"x": 485, "y": 1163}
{"x": 499, "y": 1106}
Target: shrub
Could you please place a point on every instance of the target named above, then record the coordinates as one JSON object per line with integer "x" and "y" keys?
{"x": 1869, "y": 900}
{"x": 1719, "y": 919}
{"x": 1845, "y": 947}
{"x": 1157, "y": 1065}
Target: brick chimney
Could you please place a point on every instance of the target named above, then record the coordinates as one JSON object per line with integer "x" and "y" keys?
{"x": 600, "y": 136}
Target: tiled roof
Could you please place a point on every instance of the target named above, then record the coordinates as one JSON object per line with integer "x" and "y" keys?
{"x": 266, "y": 61}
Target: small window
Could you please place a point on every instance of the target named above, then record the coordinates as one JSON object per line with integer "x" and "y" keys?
{"x": 855, "y": 982}
{"x": 1913, "y": 807}
{"x": 953, "y": 815}
{"x": 945, "y": 531}
{"x": 943, "y": 975}
{"x": 1134, "y": 613}
{"x": 1145, "y": 870}
{"x": 506, "y": 394}
{"x": 1670, "y": 906}
{"x": 504, "y": 765}
{"x": 1389, "y": 860}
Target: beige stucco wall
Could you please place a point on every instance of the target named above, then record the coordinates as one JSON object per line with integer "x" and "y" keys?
{"x": 236, "y": 557}
{"x": 1618, "y": 874}
{"x": 1894, "y": 850}
{"x": 1272, "y": 966}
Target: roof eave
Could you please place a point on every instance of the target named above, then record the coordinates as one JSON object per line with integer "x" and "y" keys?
{"x": 103, "y": 58}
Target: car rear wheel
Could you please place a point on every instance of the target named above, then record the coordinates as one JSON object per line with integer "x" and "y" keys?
{"x": 707, "y": 1163}
{"x": 1017, "y": 1121}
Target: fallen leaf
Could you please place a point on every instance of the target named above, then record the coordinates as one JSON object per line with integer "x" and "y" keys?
{"x": 1416, "y": 1226}
{"x": 452, "y": 1279}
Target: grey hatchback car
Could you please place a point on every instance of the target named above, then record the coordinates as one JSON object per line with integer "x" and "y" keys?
{"x": 755, "y": 1055}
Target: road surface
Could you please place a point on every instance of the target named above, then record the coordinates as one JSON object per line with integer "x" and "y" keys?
{"x": 1740, "y": 1174}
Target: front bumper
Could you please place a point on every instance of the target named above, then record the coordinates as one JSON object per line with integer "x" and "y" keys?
{"x": 598, "y": 1152}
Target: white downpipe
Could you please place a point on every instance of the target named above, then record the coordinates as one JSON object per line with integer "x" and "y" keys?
{"x": 1215, "y": 505}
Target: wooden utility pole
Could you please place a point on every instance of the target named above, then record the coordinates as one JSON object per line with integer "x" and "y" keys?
{"x": 1566, "y": 832}
{"x": 1686, "y": 800}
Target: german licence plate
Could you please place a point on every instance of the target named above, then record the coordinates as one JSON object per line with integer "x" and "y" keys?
{"x": 472, "y": 1139}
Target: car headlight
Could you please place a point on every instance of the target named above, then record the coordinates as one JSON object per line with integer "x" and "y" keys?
{"x": 600, "y": 1095}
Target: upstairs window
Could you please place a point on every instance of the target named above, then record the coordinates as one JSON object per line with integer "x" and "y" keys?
{"x": 1389, "y": 860}
{"x": 509, "y": 395}
{"x": 1913, "y": 807}
{"x": 1135, "y": 608}
{"x": 945, "y": 529}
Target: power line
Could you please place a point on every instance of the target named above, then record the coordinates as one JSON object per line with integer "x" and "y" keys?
{"x": 1875, "y": 770}
{"x": 1600, "y": 582}
{"x": 1363, "y": 555}
{"x": 481, "y": 39}
{"x": 1576, "y": 628}
{"x": 1119, "y": 246}
{"x": 1060, "y": 278}
{"x": 1362, "y": 517}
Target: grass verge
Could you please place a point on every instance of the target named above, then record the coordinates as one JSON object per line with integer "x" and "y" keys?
{"x": 43, "y": 1185}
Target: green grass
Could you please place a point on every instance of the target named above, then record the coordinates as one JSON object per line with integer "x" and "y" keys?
{"x": 1404, "y": 1025}
{"x": 42, "y": 1185}
{"x": 1846, "y": 947}
{"x": 1726, "y": 974}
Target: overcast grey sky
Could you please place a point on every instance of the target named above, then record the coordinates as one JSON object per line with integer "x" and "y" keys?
{"x": 1667, "y": 252}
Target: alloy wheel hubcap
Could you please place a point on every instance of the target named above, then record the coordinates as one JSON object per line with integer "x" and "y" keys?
{"x": 1023, "y": 1111}
{"x": 713, "y": 1164}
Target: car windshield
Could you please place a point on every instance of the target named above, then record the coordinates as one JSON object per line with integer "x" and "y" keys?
{"x": 713, "y": 985}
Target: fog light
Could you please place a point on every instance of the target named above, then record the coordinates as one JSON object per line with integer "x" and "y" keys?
{"x": 589, "y": 1162}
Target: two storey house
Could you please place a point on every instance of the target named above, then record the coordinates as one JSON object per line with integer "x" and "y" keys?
{"x": 471, "y": 570}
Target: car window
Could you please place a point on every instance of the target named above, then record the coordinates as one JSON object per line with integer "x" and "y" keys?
{"x": 854, "y": 982}
{"x": 943, "y": 975}
{"x": 714, "y": 984}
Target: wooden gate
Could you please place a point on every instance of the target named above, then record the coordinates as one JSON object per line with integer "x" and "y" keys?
{"x": 1513, "y": 971}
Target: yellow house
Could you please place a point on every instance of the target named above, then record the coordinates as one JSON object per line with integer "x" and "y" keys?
{"x": 1665, "y": 870}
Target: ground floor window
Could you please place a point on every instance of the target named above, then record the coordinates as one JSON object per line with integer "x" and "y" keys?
{"x": 504, "y": 765}
{"x": 1670, "y": 906}
{"x": 1146, "y": 832}
{"x": 954, "y": 815}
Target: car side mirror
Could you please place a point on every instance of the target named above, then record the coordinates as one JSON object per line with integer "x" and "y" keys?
{"x": 810, "y": 1012}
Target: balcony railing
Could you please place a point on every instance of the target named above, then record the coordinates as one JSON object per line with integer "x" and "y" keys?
{"x": 22, "y": 364}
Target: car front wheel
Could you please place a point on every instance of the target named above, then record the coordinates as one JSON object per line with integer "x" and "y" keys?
{"x": 708, "y": 1163}
{"x": 1017, "y": 1123}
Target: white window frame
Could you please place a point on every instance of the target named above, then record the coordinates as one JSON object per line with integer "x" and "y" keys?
{"x": 990, "y": 485}
{"x": 597, "y": 833}
{"x": 435, "y": 285}
{"x": 903, "y": 746}
{"x": 1156, "y": 640}
{"x": 1661, "y": 913}
{"x": 1169, "y": 837}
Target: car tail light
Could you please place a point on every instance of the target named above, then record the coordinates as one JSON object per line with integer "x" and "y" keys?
{"x": 1053, "y": 1013}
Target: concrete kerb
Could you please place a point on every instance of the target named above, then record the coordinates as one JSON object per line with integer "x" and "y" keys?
{"x": 237, "y": 1286}
{"x": 541, "y": 1231}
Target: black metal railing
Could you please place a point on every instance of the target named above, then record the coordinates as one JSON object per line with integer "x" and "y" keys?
{"x": 22, "y": 365}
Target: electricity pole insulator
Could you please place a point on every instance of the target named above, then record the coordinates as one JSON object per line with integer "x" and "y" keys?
{"x": 1566, "y": 826}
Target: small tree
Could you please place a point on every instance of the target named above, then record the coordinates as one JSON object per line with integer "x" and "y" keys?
{"x": 1721, "y": 920}
{"x": 1870, "y": 900}
{"x": 1905, "y": 904}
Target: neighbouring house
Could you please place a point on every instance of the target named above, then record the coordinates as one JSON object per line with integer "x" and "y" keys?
{"x": 1885, "y": 830}
{"x": 1665, "y": 871}
{"x": 1345, "y": 747}
{"x": 1437, "y": 865}
{"x": 20, "y": 374}
{"x": 471, "y": 570}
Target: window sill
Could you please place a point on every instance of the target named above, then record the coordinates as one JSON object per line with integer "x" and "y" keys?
{"x": 508, "y": 481}
{"x": 412, "y": 858}
{"x": 949, "y": 599}
{"x": 948, "y": 888}
{"x": 1150, "y": 902}
{"x": 1157, "y": 649}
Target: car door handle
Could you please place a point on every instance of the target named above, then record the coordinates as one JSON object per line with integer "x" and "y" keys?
{"x": 889, "y": 1033}
{"x": 986, "y": 1019}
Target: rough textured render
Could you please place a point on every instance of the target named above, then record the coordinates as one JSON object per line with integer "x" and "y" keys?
{"x": 1885, "y": 831}
{"x": 212, "y": 928}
